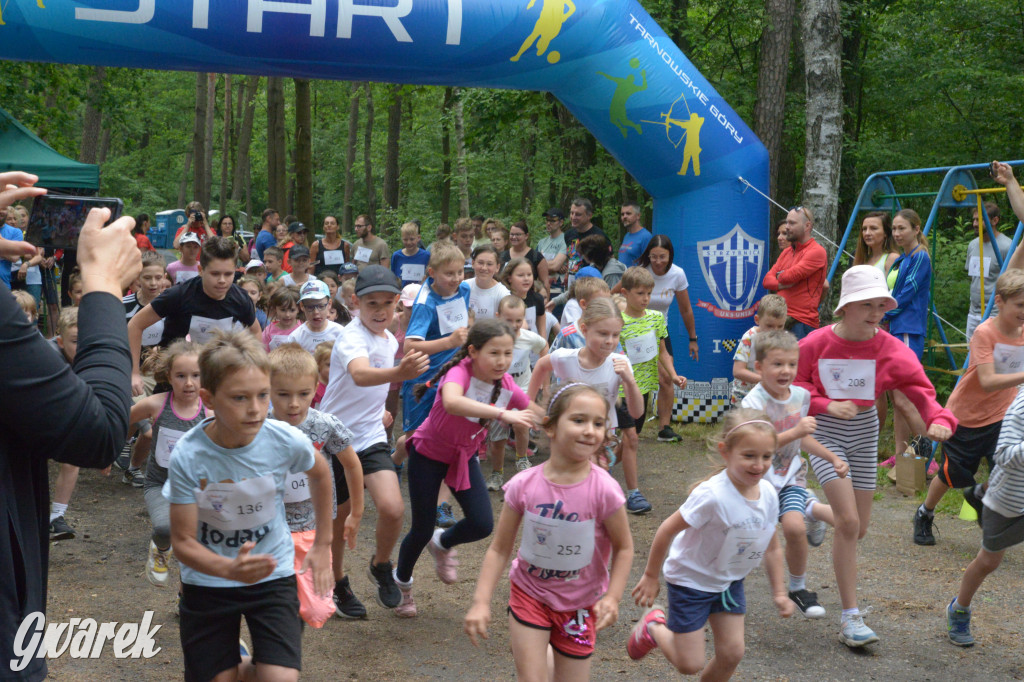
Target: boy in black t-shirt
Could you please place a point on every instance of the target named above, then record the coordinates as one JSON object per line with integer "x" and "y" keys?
{"x": 198, "y": 307}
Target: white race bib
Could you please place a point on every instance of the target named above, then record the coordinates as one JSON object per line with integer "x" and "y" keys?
{"x": 557, "y": 544}
{"x": 481, "y": 391}
{"x": 520, "y": 361}
{"x": 296, "y": 487}
{"x": 336, "y": 257}
{"x": 152, "y": 334}
{"x": 742, "y": 551}
{"x": 413, "y": 272}
{"x": 974, "y": 266}
{"x": 1008, "y": 359}
{"x": 238, "y": 506}
{"x": 165, "y": 440}
{"x": 202, "y": 329}
{"x": 848, "y": 379}
{"x": 363, "y": 254}
{"x": 642, "y": 348}
{"x": 452, "y": 315}
{"x": 184, "y": 276}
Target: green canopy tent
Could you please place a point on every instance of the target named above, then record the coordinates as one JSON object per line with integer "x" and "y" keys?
{"x": 21, "y": 149}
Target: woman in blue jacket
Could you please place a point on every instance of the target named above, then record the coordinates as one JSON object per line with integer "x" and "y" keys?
{"x": 908, "y": 321}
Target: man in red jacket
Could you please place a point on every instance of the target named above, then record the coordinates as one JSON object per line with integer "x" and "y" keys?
{"x": 799, "y": 273}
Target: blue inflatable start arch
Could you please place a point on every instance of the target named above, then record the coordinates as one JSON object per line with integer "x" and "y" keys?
{"x": 606, "y": 60}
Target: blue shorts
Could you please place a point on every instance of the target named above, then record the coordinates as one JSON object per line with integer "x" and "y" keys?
{"x": 914, "y": 342}
{"x": 792, "y": 498}
{"x": 415, "y": 412}
{"x": 688, "y": 609}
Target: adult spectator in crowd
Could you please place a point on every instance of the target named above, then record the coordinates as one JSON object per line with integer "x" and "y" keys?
{"x": 331, "y": 252}
{"x": 85, "y": 406}
{"x": 519, "y": 247}
{"x": 139, "y": 232}
{"x": 977, "y": 262}
{"x": 1003, "y": 174}
{"x": 636, "y": 236}
{"x": 370, "y": 249}
{"x": 552, "y": 247}
{"x": 226, "y": 228}
{"x": 597, "y": 251}
{"x": 580, "y": 214}
{"x": 268, "y": 226}
{"x": 196, "y": 223}
{"x": 799, "y": 273}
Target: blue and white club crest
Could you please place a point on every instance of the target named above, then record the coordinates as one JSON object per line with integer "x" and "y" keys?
{"x": 542, "y": 537}
{"x": 732, "y": 267}
{"x": 837, "y": 374}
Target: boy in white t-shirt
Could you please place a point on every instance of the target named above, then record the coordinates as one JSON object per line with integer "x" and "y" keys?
{"x": 362, "y": 369}
{"x": 770, "y": 316}
{"x": 298, "y": 258}
{"x": 315, "y": 299}
{"x": 778, "y": 353}
{"x": 512, "y": 310}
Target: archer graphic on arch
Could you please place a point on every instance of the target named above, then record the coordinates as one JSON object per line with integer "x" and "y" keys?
{"x": 39, "y": 3}
{"x": 691, "y": 133}
{"x": 553, "y": 14}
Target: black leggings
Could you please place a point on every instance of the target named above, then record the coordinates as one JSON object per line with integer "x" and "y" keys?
{"x": 425, "y": 477}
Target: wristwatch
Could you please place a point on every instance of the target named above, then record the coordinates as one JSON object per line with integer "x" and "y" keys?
{"x": 693, "y": 339}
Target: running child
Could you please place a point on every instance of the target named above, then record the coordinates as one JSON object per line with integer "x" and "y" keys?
{"x": 273, "y": 260}
{"x": 410, "y": 262}
{"x": 583, "y": 291}
{"x": 292, "y": 377}
{"x": 801, "y": 515}
{"x": 314, "y": 299}
{"x": 598, "y": 365}
{"x": 473, "y": 389}
{"x": 846, "y": 366}
{"x": 484, "y": 291}
{"x": 283, "y": 313}
{"x": 187, "y": 267}
{"x": 518, "y": 279}
{"x": 512, "y": 310}
{"x": 1002, "y": 524}
{"x": 226, "y": 484}
{"x": 65, "y": 343}
{"x": 172, "y": 414}
{"x": 770, "y": 316}
{"x": 322, "y": 355}
{"x": 643, "y": 338}
{"x": 255, "y": 287}
{"x": 559, "y": 598}
{"x": 298, "y": 258}
{"x": 362, "y": 369}
{"x": 707, "y": 548}
{"x": 979, "y": 402}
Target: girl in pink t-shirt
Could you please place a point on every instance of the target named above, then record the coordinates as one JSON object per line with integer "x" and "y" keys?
{"x": 283, "y": 313}
{"x": 474, "y": 387}
{"x": 574, "y": 520}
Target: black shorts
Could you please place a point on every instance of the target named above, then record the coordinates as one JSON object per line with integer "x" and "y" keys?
{"x": 626, "y": 420}
{"x": 211, "y": 619}
{"x": 375, "y": 458}
{"x": 963, "y": 453}
{"x": 668, "y": 345}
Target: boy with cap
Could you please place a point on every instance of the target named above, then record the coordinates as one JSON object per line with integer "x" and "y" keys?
{"x": 296, "y": 236}
{"x": 314, "y": 299}
{"x": 188, "y": 267}
{"x": 347, "y": 271}
{"x": 298, "y": 258}
{"x": 362, "y": 368}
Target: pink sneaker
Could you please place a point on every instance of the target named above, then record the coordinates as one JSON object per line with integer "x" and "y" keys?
{"x": 933, "y": 468}
{"x": 889, "y": 463}
{"x": 407, "y": 609}
{"x": 640, "y": 641}
{"x": 445, "y": 559}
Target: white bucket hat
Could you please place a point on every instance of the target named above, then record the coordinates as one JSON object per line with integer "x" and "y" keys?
{"x": 862, "y": 283}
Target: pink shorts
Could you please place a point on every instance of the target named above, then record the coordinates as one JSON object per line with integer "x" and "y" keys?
{"x": 313, "y": 608}
{"x": 572, "y": 632}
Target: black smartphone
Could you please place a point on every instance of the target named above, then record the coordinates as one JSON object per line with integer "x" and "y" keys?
{"x": 56, "y": 219}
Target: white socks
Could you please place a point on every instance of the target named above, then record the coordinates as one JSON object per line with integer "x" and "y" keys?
{"x": 57, "y": 510}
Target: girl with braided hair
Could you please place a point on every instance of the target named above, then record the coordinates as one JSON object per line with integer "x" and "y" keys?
{"x": 473, "y": 388}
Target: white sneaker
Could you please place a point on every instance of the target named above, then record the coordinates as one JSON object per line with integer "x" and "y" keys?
{"x": 855, "y": 634}
{"x": 495, "y": 482}
{"x": 523, "y": 463}
{"x": 156, "y": 565}
{"x": 815, "y": 527}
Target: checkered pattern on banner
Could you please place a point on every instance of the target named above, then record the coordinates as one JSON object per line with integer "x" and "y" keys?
{"x": 729, "y": 345}
{"x": 703, "y": 402}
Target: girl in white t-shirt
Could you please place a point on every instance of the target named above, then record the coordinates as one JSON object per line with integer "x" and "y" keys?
{"x": 719, "y": 535}
{"x": 484, "y": 291}
{"x": 574, "y": 522}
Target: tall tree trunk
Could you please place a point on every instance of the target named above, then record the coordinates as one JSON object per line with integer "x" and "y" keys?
{"x": 460, "y": 154}
{"x": 242, "y": 176}
{"x": 225, "y": 148}
{"x": 183, "y": 185}
{"x": 371, "y": 192}
{"x": 104, "y": 146}
{"x": 277, "y": 180}
{"x": 824, "y": 134}
{"x": 855, "y": 46}
{"x": 199, "y": 180}
{"x": 93, "y": 119}
{"x": 446, "y": 155}
{"x": 527, "y": 150}
{"x": 303, "y": 152}
{"x": 391, "y": 150}
{"x": 350, "y": 158}
{"x": 772, "y": 73}
{"x": 211, "y": 113}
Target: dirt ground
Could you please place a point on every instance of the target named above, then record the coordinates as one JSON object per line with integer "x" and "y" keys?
{"x": 100, "y": 575}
